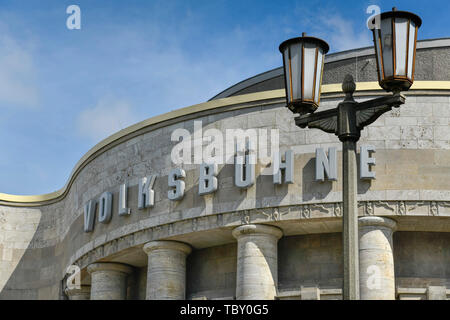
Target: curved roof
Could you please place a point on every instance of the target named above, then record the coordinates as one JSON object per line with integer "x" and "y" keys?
{"x": 359, "y": 63}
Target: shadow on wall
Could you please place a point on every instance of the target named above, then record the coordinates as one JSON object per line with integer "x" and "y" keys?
{"x": 312, "y": 189}
{"x": 32, "y": 270}
{"x": 319, "y": 190}
{"x": 363, "y": 184}
{"x": 228, "y": 197}
{"x": 310, "y": 260}
{"x": 269, "y": 194}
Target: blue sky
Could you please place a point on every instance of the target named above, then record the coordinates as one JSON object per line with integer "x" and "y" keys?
{"x": 62, "y": 91}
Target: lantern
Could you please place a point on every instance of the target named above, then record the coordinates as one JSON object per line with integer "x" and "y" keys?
{"x": 395, "y": 48}
{"x": 303, "y": 60}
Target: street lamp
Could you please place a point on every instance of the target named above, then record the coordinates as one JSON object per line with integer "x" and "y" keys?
{"x": 395, "y": 49}
{"x": 303, "y": 60}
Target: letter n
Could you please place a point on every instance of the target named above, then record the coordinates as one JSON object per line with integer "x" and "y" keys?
{"x": 326, "y": 164}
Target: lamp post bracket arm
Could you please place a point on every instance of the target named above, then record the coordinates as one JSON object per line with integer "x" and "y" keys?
{"x": 367, "y": 116}
{"x": 324, "y": 120}
{"x": 369, "y": 111}
{"x": 326, "y": 124}
{"x": 394, "y": 100}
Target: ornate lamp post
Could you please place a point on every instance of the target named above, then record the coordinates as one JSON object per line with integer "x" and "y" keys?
{"x": 395, "y": 48}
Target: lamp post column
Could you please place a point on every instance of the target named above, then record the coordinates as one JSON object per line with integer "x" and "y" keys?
{"x": 349, "y": 134}
{"x": 350, "y": 223}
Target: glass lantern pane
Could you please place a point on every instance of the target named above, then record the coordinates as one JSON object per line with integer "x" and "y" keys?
{"x": 401, "y": 34}
{"x": 287, "y": 65}
{"x": 412, "y": 36}
{"x": 296, "y": 62}
{"x": 378, "y": 52}
{"x": 309, "y": 65}
{"x": 386, "y": 45}
{"x": 318, "y": 75}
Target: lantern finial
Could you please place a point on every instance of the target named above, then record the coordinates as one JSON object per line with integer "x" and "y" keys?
{"x": 348, "y": 87}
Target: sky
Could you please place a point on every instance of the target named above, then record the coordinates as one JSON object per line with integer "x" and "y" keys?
{"x": 64, "y": 90}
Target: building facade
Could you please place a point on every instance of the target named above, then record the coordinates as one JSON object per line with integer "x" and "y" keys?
{"x": 135, "y": 238}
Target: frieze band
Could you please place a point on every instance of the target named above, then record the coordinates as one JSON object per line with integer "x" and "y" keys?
{"x": 307, "y": 211}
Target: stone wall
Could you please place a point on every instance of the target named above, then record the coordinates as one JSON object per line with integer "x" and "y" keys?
{"x": 422, "y": 259}
{"x": 211, "y": 273}
{"x": 310, "y": 260}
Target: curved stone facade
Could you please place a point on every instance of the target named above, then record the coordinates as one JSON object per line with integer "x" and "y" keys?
{"x": 217, "y": 245}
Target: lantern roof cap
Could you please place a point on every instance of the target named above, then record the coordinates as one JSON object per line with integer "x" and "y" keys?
{"x": 325, "y": 47}
{"x": 400, "y": 14}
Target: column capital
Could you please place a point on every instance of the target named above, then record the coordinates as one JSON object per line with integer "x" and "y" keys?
{"x": 248, "y": 229}
{"x": 372, "y": 221}
{"x": 109, "y": 266}
{"x": 167, "y": 245}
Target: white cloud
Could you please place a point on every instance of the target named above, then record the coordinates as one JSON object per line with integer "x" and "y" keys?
{"x": 342, "y": 35}
{"x": 106, "y": 118}
{"x": 18, "y": 84}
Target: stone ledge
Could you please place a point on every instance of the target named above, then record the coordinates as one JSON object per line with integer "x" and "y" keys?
{"x": 167, "y": 245}
{"x": 369, "y": 221}
{"x": 109, "y": 266}
{"x": 416, "y": 293}
{"x": 323, "y": 294}
{"x": 251, "y": 229}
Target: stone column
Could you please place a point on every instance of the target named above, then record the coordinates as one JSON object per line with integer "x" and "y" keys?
{"x": 436, "y": 293}
{"x": 109, "y": 280}
{"x": 166, "y": 273}
{"x": 257, "y": 261}
{"x": 84, "y": 293}
{"x": 376, "y": 260}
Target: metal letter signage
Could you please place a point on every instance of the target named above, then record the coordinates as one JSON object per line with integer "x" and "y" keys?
{"x": 105, "y": 207}
{"x": 146, "y": 195}
{"x": 89, "y": 215}
{"x": 287, "y": 166}
{"x": 123, "y": 200}
{"x": 176, "y": 186}
{"x": 365, "y": 161}
{"x": 244, "y": 166}
{"x": 244, "y": 177}
{"x": 326, "y": 164}
{"x": 207, "y": 181}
